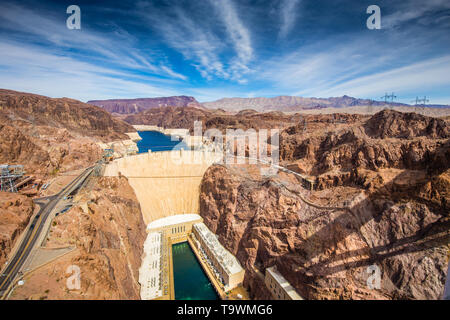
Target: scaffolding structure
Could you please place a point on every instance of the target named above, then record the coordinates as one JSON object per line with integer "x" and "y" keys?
{"x": 9, "y": 175}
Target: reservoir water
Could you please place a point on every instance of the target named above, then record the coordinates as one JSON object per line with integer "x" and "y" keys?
{"x": 191, "y": 282}
{"x": 157, "y": 141}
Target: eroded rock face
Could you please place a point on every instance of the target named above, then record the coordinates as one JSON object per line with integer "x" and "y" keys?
{"x": 184, "y": 117}
{"x": 53, "y": 135}
{"x": 393, "y": 124}
{"x": 71, "y": 114}
{"x": 325, "y": 253}
{"x": 389, "y": 139}
{"x": 169, "y": 117}
{"x": 16, "y": 147}
{"x": 391, "y": 172}
{"x": 15, "y": 212}
{"x": 108, "y": 232}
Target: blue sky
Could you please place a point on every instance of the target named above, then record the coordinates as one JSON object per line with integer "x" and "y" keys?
{"x": 212, "y": 49}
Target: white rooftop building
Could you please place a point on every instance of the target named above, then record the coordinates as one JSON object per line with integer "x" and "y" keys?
{"x": 226, "y": 266}
{"x": 150, "y": 280}
{"x": 154, "y": 271}
{"x": 172, "y": 220}
{"x": 280, "y": 288}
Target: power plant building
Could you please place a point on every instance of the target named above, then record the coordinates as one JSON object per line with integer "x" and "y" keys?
{"x": 226, "y": 267}
{"x": 279, "y": 287}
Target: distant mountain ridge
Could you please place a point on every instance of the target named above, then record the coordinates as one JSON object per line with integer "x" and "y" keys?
{"x": 294, "y": 103}
{"x": 133, "y": 106}
{"x": 126, "y": 107}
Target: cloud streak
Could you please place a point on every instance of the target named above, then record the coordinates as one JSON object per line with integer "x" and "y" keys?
{"x": 117, "y": 48}
{"x": 238, "y": 34}
{"x": 288, "y": 15}
{"x": 32, "y": 69}
{"x": 417, "y": 10}
{"x": 426, "y": 75}
{"x": 200, "y": 40}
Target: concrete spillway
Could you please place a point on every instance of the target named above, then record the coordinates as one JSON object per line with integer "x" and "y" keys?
{"x": 165, "y": 183}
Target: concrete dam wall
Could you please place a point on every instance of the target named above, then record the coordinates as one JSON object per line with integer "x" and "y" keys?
{"x": 165, "y": 183}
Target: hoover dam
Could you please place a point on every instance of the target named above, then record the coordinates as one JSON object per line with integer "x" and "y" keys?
{"x": 166, "y": 183}
{"x": 167, "y": 186}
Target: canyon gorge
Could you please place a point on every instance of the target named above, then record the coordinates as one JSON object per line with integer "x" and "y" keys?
{"x": 380, "y": 197}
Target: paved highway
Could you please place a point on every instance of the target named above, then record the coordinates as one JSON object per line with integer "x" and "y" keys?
{"x": 35, "y": 229}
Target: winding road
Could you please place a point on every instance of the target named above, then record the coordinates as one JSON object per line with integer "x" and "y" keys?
{"x": 35, "y": 229}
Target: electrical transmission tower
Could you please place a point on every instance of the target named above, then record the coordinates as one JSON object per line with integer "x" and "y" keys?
{"x": 393, "y": 97}
{"x": 418, "y": 101}
{"x": 388, "y": 97}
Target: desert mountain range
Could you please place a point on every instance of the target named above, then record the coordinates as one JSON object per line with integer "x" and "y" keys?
{"x": 133, "y": 106}
{"x": 280, "y": 103}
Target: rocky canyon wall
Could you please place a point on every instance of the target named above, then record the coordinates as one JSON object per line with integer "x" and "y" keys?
{"x": 107, "y": 233}
{"x": 325, "y": 253}
{"x": 49, "y": 135}
{"x": 15, "y": 212}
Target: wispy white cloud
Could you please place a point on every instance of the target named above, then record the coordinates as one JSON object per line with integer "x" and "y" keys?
{"x": 200, "y": 41}
{"x": 117, "y": 48}
{"x": 288, "y": 15}
{"x": 309, "y": 69}
{"x": 32, "y": 69}
{"x": 418, "y": 77}
{"x": 238, "y": 34}
{"x": 200, "y": 46}
{"x": 173, "y": 74}
{"x": 415, "y": 9}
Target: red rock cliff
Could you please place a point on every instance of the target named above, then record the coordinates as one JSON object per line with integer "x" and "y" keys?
{"x": 324, "y": 253}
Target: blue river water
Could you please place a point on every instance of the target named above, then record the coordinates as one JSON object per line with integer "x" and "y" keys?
{"x": 191, "y": 282}
{"x": 157, "y": 141}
